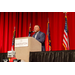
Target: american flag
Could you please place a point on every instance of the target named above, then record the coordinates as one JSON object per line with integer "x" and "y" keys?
{"x": 65, "y": 36}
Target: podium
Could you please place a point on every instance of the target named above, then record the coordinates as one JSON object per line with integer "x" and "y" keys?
{"x": 25, "y": 45}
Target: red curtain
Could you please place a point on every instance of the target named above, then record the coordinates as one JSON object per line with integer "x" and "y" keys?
{"x": 22, "y": 21}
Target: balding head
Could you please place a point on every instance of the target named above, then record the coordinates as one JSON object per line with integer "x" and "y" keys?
{"x": 36, "y": 28}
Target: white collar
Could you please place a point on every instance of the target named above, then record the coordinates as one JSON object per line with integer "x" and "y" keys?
{"x": 37, "y": 32}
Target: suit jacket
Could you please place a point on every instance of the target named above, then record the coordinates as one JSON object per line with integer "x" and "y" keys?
{"x": 41, "y": 38}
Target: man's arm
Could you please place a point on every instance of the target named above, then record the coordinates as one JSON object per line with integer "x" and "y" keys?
{"x": 42, "y": 38}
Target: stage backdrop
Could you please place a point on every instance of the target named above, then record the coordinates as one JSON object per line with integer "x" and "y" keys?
{"x": 22, "y": 20}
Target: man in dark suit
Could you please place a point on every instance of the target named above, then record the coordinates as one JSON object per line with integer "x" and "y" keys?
{"x": 40, "y": 36}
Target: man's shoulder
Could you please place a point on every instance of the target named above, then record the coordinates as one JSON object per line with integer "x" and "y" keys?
{"x": 41, "y": 33}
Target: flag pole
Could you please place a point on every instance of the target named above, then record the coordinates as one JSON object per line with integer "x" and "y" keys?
{"x": 48, "y": 19}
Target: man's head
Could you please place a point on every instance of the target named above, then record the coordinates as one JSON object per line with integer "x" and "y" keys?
{"x": 36, "y": 28}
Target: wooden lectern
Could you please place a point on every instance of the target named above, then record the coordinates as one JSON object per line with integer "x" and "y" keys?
{"x": 25, "y": 45}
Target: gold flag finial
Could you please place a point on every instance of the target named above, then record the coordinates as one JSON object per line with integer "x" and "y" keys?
{"x": 64, "y": 12}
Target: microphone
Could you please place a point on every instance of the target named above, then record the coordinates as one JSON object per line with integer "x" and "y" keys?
{"x": 32, "y": 31}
